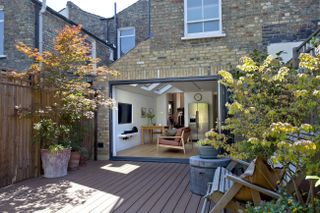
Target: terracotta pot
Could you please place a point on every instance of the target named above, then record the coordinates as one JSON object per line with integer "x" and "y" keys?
{"x": 208, "y": 152}
{"x": 74, "y": 160}
{"x": 55, "y": 164}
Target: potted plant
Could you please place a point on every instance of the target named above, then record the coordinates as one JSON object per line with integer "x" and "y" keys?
{"x": 150, "y": 117}
{"x": 76, "y": 142}
{"x": 210, "y": 146}
{"x": 62, "y": 75}
{"x": 55, "y": 147}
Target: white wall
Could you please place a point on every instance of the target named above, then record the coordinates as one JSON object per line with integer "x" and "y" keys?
{"x": 138, "y": 101}
{"x": 161, "y": 110}
{"x": 284, "y": 46}
{"x": 207, "y": 97}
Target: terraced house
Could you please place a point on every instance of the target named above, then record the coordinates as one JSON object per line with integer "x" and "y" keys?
{"x": 168, "y": 53}
{"x": 37, "y": 25}
{"x": 170, "y": 79}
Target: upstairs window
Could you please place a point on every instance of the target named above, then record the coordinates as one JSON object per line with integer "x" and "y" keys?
{"x": 126, "y": 40}
{"x": 203, "y": 18}
{"x": 1, "y": 32}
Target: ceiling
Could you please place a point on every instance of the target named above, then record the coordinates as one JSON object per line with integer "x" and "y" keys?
{"x": 156, "y": 89}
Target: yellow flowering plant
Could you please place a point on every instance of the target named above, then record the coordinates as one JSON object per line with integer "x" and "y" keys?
{"x": 274, "y": 112}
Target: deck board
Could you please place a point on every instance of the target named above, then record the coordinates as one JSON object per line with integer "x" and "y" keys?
{"x": 106, "y": 186}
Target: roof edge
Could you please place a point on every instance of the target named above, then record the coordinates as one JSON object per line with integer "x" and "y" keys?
{"x": 55, "y": 13}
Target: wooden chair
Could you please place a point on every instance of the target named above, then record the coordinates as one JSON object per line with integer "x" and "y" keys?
{"x": 225, "y": 186}
{"x": 183, "y": 136}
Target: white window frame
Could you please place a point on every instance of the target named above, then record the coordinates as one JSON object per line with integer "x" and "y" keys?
{"x": 2, "y": 21}
{"x": 119, "y": 40}
{"x": 212, "y": 34}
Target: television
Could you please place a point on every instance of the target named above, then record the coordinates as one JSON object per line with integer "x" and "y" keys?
{"x": 124, "y": 113}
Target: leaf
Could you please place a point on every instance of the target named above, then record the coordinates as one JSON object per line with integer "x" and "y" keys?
{"x": 312, "y": 177}
{"x": 317, "y": 183}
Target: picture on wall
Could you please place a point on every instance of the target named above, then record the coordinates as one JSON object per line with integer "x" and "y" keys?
{"x": 143, "y": 112}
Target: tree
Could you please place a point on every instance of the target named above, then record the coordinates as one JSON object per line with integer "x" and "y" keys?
{"x": 63, "y": 72}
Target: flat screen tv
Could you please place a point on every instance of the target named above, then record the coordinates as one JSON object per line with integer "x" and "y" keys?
{"x": 124, "y": 113}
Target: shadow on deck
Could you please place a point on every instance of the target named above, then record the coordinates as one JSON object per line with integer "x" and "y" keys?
{"x": 107, "y": 186}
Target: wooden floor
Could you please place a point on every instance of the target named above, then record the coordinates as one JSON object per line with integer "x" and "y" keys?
{"x": 106, "y": 186}
{"x": 150, "y": 150}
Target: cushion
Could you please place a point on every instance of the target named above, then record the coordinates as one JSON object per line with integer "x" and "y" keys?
{"x": 260, "y": 173}
{"x": 171, "y": 132}
{"x": 169, "y": 142}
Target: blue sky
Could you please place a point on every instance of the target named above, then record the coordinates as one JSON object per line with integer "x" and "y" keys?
{"x": 103, "y": 8}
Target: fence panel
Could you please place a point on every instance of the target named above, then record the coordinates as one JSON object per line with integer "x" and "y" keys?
{"x": 19, "y": 156}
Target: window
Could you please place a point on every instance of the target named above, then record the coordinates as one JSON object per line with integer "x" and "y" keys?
{"x": 126, "y": 40}
{"x": 203, "y": 18}
{"x": 1, "y": 33}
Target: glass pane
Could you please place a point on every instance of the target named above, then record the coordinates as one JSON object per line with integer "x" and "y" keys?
{"x": 194, "y": 10}
{"x": 194, "y": 14}
{"x": 126, "y": 32}
{"x": 211, "y": 26}
{"x": 195, "y": 28}
{"x": 211, "y": 9}
{"x": 126, "y": 44}
{"x": 1, "y": 15}
{"x": 194, "y": 3}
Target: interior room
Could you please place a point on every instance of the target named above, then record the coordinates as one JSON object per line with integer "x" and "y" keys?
{"x": 163, "y": 120}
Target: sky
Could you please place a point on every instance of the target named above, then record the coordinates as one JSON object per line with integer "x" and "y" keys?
{"x": 104, "y": 8}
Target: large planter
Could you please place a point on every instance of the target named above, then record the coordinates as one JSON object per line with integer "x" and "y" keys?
{"x": 208, "y": 152}
{"x": 74, "y": 160}
{"x": 55, "y": 164}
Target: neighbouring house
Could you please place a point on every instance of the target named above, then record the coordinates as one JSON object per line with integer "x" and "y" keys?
{"x": 125, "y": 30}
{"x": 19, "y": 22}
{"x": 173, "y": 74}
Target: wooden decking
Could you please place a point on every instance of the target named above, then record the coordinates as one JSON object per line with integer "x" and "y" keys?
{"x": 150, "y": 150}
{"x": 107, "y": 187}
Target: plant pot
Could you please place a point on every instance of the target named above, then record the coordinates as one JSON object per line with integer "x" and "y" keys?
{"x": 55, "y": 164}
{"x": 208, "y": 152}
{"x": 74, "y": 160}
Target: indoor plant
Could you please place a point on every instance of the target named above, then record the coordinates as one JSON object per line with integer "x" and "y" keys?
{"x": 209, "y": 147}
{"x": 150, "y": 117}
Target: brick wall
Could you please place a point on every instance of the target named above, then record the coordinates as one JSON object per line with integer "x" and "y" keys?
{"x": 136, "y": 15}
{"x": 248, "y": 25}
{"x": 93, "y": 23}
{"x": 17, "y": 29}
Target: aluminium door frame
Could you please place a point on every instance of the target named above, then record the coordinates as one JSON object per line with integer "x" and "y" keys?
{"x": 149, "y": 81}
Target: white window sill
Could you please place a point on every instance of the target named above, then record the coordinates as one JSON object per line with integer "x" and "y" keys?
{"x": 216, "y": 35}
{"x": 3, "y": 56}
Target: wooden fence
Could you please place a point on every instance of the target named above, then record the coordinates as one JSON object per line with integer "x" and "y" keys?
{"x": 19, "y": 156}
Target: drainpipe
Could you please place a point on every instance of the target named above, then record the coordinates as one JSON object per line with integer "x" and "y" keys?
{"x": 116, "y": 31}
{"x": 42, "y": 11}
{"x": 149, "y": 18}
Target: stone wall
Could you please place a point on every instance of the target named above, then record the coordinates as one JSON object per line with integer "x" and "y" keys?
{"x": 20, "y": 27}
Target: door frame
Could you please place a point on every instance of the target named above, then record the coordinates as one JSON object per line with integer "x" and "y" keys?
{"x": 149, "y": 81}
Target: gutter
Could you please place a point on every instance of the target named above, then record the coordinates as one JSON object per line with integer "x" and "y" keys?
{"x": 55, "y": 13}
